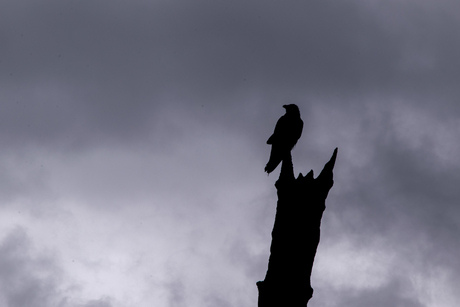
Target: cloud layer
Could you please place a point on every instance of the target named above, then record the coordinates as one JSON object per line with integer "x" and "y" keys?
{"x": 133, "y": 146}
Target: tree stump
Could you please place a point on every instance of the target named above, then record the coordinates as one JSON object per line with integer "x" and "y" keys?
{"x": 295, "y": 236}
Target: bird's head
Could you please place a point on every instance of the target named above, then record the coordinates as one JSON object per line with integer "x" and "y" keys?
{"x": 292, "y": 109}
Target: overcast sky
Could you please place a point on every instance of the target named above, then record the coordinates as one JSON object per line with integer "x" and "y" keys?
{"x": 132, "y": 149}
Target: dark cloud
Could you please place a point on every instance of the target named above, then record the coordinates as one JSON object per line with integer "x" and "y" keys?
{"x": 401, "y": 186}
{"x": 401, "y": 191}
{"x": 80, "y": 72}
{"x": 170, "y": 103}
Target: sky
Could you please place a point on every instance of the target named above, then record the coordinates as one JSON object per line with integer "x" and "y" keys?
{"x": 133, "y": 147}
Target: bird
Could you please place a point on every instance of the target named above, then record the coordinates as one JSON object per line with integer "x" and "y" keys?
{"x": 287, "y": 132}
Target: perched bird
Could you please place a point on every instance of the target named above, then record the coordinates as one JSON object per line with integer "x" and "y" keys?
{"x": 288, "y": 130}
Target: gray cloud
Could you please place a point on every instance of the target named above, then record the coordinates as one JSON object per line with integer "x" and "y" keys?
{"x": 31, "y": 279}
{"x": 25, "y": 280}
{"x": 391, "y": 293}
{"x": 176, "y": 292}
{"x": 95, "y": 71}
{"x": 116, "y": 105}
{"x": 98, "y": 303}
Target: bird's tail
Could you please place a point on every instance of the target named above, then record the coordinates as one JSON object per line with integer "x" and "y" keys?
{"x": 271, "y": 165}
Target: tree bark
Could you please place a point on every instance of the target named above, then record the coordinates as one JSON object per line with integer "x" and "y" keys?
{"x": 295, "y": 236}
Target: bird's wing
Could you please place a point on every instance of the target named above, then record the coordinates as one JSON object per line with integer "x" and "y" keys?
{"x": 280, "y": 130}
{"x": 299, "y": 129}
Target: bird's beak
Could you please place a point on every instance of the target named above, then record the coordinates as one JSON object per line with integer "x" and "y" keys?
{"x": 285, "y": 106}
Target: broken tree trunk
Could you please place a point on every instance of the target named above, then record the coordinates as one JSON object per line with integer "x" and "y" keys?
{"x": 295, "y": 236}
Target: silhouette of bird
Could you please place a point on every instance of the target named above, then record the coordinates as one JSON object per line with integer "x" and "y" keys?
{"x": 288, "y": 130}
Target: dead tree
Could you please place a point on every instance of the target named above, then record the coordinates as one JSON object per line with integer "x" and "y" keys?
{"x": 295, "y": 236}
